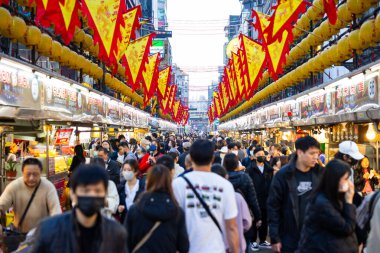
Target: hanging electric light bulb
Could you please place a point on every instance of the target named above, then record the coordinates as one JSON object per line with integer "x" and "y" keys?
{"x": 285, "y": 136}
{"x": 371, "y": 134}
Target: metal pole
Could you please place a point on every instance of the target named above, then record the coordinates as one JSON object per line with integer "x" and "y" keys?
{"x": 377, "y": 156}
{"x": 47, "y": 152}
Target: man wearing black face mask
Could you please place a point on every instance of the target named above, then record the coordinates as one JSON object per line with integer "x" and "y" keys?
{"x": 83, "y": 229}
{"x": 261, "y": 174}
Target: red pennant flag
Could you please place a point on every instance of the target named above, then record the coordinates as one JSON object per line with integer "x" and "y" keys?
{"x": 261, "y": 24}
{"x": 276, "y": 53}
{"x": 105, "y": 17}
{"x": 163, "y": 81}
{"x": 285, "y": 15}
{"x": 47, "y": 12}
{"x": 134, "y": 59}
{"x": 239, "y": 79}
{"x": 331, "y": 11}
{"x": 150, "y": 76}
{"x": 70, "y": 20}
{"x": 255, "y": 57}
{"x": 131, "y": 23}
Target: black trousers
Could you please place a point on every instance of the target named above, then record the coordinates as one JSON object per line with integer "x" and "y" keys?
{"x": 262, "y": 231}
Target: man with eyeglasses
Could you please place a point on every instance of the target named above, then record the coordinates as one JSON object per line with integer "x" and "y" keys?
{"x": 31, "y": 187}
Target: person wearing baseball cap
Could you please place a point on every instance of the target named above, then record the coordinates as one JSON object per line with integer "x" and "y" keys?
{"x": 349, "y": 153}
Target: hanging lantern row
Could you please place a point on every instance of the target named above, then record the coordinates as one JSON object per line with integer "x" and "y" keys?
{"x": 322, "y": 33}
{"x": 16, "y": 29}
{"x": 364, "y": 37}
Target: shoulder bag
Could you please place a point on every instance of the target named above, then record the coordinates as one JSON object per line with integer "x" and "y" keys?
{"x": 204, "y": 204}
{"x": 13, "y": 238}
{"x": 146, "y": 237}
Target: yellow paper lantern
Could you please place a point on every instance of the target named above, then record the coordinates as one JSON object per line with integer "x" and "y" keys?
{"x": 108, "y": 78}
{"x": 87, "y": 67}
{"x": 303, "y": 23}
{"x": 121, "y": 70}
{"x": 377, "y": 27}
{"x": 17, "y": 28}
{"x": 357, "y": 6}
{"x": 32, "y": 36}
{"x": 78, "y": 35}
{"x": 65, "y": 55}
{"x": 353, "y": 38}
{"x": 344, "y": 13}
{"x": 5, "y": 20}
{"x": 87, "y": 43}
{"x": 94, "y": 49}
{"x": 56, "y": 50}
{"x": 367, "y": 33}
{"x": 344, "y": 48}
{"x": 44, "y": 47}
{"x": 98, "y": 73}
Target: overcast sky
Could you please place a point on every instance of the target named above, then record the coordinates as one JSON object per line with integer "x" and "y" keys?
{"x": 198, "y": 38}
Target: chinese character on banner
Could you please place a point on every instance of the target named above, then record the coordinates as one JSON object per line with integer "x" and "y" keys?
{"x": 339, "y": 93}
{"x": 361, "y": 87}
{"x": 353, "y": 89}
{"x": 346, "y": 91}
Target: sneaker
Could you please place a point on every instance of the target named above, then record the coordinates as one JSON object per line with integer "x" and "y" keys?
{"x": 265, "y": 245}
{"x": 255, "y": 246}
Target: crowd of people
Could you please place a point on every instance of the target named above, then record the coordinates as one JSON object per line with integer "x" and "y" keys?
{"x": 186, "y": 194}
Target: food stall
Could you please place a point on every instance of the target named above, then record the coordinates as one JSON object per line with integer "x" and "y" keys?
{"x": 347, "y": 108}
{"x": 44, "y": 115}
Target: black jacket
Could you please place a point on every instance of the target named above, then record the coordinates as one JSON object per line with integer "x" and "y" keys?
{"x": 76, "y": 162}
{"x": 169, "y": 237}
{"x": 113, "y": 170}
{"x": 327, "y": 229}
{"x": 359, "y": 181}
{"x": 247, "y": 162}
{"x": 181, "y": 159}
{"x": 282, "y": 206}
{"x": 122, "y": 196}
{"x": 60, "y": 234}
{"x": 261, "y": 181}
{"x": 243, "y": 184}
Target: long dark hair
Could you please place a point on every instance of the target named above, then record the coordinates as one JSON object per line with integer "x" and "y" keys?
{"x": 159, "y": 179}
{"x": 329, "y": 184}
{"x": 78, "y": 151}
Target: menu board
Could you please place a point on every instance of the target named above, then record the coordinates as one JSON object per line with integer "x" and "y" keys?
{"x": 19, "y": 88}
{"x": 126, "y": 114}
{"x": 113, "y": 110}
{"x": 59, "y": 94}
{"x": 62, "y": 136}
{"x": 290, "y": 106}
{"x": 350, "y": 97}
{"x": 274, "y": 113}
{"x": 95, "y": 105}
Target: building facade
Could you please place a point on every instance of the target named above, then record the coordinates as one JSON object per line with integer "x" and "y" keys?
{"x": 181, "y": 79}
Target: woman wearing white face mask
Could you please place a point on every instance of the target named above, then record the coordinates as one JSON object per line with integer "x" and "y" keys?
{"x": 330, "y": 218}
{"x": 131, "y": 189}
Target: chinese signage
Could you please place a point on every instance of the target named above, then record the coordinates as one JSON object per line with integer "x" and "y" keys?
{"x": 274, "y": 113}
{"x": 19, "y": 88}
{"x": 62, "y": 136}
{"x": 350, "y": 97}
{"x": 113, "y": 110}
